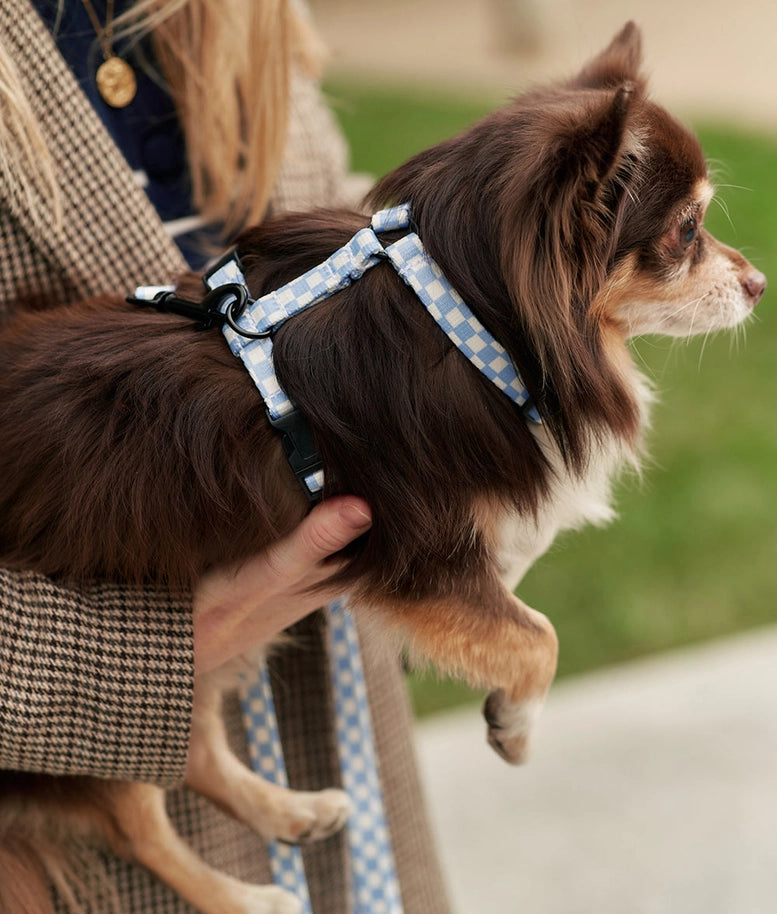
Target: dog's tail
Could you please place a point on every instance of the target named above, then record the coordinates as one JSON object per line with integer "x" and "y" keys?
{"x": 33, "y": 870}
{"x": 25, "y": 884}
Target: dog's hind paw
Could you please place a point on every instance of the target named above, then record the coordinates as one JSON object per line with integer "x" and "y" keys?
{"x": 309, "y": 816}
{"x": 510, "y": 725}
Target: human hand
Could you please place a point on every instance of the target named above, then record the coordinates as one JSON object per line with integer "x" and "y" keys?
{"x": 241, "y": 606}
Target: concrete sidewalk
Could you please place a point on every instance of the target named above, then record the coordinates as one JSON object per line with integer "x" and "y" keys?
{"x": 652, "y": 790}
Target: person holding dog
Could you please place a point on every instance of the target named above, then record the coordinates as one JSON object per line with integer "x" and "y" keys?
{"x": 206, "y": 115}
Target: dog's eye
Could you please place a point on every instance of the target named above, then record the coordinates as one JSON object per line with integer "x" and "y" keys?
{"x": 688, "y": 232}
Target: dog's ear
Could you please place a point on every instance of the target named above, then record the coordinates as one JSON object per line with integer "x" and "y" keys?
{"x": 571, "y": 201}
{"x": 598, "y": 142}
{"x": 557, "y": 246}
{"x": 619, "y": 62}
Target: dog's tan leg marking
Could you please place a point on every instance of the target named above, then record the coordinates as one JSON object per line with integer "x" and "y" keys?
{"x": 496, "y": 642}
{"x": 142, "y": 832}
{"x": 274, "y": 812}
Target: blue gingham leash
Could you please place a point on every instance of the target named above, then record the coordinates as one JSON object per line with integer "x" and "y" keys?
{"x": 374, "y": 881}
{"x": 266, "y": 757}
{"x": 374, "y": 885}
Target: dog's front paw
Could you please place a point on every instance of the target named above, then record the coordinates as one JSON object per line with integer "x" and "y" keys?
{"x": 269, "y": 899}
{"x": 509, "y": 725}
{"x": 309, "y": 816}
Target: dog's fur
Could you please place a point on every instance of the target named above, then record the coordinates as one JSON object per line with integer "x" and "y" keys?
{"x": 568, "y": 221}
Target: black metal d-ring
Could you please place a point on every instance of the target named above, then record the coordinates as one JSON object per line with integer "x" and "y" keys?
{"x": 236, "y": 308}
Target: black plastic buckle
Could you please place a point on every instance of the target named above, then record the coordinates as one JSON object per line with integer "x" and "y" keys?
{"x": 299, "y": 447}
{"x": 211, "y": 311}
{"x": 207, "y": 312}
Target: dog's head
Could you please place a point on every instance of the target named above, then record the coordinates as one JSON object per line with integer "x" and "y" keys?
{"x": 571, "y": 219}
{"x": 666, "y": 273}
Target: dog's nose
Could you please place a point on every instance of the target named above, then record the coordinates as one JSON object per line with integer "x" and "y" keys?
{"x": 754, "y": 283}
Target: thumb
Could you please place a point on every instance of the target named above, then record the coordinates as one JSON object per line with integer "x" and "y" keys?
{"x": 328, "y": 528}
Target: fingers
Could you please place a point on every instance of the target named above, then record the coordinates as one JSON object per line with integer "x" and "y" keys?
{"x": 248, "y": 603}
{"x": 328, "y": 528}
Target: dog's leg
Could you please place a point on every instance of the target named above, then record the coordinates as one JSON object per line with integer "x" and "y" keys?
{"x": 493, "y": 640}
{"x": 274, "y": 812}
{"x": 141, "y": 831}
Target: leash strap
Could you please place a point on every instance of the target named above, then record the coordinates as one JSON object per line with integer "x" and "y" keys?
{"x": 268, "y": 313}
{"x": 374, "y": 882}
{"x": 456, "y": 320}
{"x": 264, "y": 316}
{"x": 266, "y": 756}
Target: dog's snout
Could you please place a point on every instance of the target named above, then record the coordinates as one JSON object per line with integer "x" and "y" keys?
{"x": 754, "y": 283}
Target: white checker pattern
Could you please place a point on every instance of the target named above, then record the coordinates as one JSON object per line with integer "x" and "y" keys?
{"x": 446, "y": 306}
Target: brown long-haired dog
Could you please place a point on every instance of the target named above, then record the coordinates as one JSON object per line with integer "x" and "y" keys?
{"x": 568, "y": 221}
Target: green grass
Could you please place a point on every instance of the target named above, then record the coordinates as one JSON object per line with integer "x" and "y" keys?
{"x": 693, "y": 555}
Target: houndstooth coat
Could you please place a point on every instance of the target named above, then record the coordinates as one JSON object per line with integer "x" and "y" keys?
{"x": 98, "y": 679}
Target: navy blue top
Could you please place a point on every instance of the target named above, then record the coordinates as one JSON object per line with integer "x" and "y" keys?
{"x": 147, "y": 130}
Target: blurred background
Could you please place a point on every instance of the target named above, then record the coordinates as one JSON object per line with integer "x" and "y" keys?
{"x": 654, "y": 782}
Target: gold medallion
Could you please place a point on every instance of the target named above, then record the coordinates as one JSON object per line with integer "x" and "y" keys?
{"x": 116, "y": 82}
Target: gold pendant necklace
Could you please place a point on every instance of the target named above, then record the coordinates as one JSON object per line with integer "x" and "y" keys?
{"x": 115, "y": 78}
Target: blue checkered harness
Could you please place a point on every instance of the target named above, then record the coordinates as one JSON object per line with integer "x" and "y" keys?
{"x": 411, "y": 261}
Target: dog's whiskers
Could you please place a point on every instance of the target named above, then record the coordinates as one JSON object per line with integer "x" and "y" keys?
{"x": 706, "y": 336}
{"x": 695, "y": 312}
{"x": 724, "y": 207}
{"x": 669, "y": 318}
{"x": 734, "y": 187}
{"x": 734, "y": 339}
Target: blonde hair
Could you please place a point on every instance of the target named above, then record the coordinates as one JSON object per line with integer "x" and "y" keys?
{"x": 23, "y": 150}
{"x": 228, "y": 66}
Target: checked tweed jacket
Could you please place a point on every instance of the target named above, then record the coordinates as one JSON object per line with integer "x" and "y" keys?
{"x": 98, "y": 679}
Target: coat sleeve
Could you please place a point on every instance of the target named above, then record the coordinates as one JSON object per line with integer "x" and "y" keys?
{"x": 95, "y": 680}
{"x": 316, "y": 168}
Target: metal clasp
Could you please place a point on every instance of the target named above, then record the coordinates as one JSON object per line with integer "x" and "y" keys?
{"x": 211, "y": 311}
